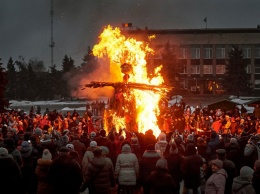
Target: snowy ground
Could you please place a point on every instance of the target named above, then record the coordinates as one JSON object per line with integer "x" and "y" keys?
{"x": 80, "y": 106}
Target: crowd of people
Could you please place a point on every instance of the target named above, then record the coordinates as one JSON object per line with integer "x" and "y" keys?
{"x": 200, "y": 151}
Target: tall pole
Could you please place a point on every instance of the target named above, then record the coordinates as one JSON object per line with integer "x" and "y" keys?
{"x": 52, "y": 43}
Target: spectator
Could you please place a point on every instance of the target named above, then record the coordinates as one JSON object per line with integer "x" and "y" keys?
{"x": 216, "y": 182}
{"x": 88, "y": 156}
{"x": 252, "y": 151}
{"x": 160, "y": 181}
{"x": 242, "y": 183}
{"x": 99, "y": 177}
{"x": 43, "y": 165}
{"x": 256, "y": 176}
{"x": 65, "y": 174}
{"x": 213, "y": 145}
{"x": 161, "y": 144}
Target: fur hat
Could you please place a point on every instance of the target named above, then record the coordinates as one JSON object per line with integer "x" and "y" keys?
{"x": 246, "y": 172}
{"x": 162, "y": 163}
{"x": 46, "y": 155}
{"x": 126, "y": 148}
{"x": 233, "y": 140}
{"x": 218, "y": 163}
{"x": 46, "y": 139}
{"x": 70, "y": 146}
{"x": 26, "y": 149}
{"x": 221, "y": 151}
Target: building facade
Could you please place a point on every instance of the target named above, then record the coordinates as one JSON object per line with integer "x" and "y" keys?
{"x": 203, "y": 54}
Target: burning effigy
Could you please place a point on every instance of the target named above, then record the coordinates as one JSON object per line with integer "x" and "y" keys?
{"x": 135, "y": 104}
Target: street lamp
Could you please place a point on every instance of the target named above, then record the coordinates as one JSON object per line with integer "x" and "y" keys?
{"x": 176, "y": 77}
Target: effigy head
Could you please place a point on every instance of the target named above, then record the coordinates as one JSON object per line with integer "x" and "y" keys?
{"x": 126, "y": 68}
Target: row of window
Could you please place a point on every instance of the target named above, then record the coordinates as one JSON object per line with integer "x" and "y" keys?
{"x": 208, "y": 53}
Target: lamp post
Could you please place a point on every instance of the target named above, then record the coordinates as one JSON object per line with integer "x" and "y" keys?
{"x": 176, "y": 80}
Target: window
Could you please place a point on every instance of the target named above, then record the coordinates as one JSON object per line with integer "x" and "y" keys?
{"x": 257, "y": 52}
{"x": 207, "y": 53}
{"x": 257, "y": 84}
{"x": 247, "y": 52}
{"x": 195, "y": 69}
{"x": 207, "y": 69}
{"x": 220, "y": 53}
{"x": 183, "y": 53}
{"x": 195, "y": 53}
{"x": 220, "y": 69}
{"x": 257, "y": 68}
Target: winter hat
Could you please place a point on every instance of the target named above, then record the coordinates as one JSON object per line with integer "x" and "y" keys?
{"x": 162, "y": 163}
{"x": 64, "y": 149}
{"x": 213, "y": 135}
{"x": 46, "y": 138}
{"x": 233, "y": 140}
{"x": 190, "y": 137}
{"x": 162, "y": 136}
{"x": 38, "y": 132}
{"x": 70, "y": 146}
{"x": 126, "y": 148}
{"x": 105, "y": 150}
{"x": 26, "y": 149}
{"x": 92, "y": 134}
{"x": 46, "y": 155}
{"x": 97, "y": 152}
{"x": 65, "y": 139}
{"x": 121, "y": 138}
{"x": 218, "y": 163}
{"x": 65, "y": 132}
{"x": 257, "y": 164}
{"x": 102, "y": 133}
{"x": 190, "y": 149}
{"x": 246, "y": 172}
{"x": 93, "y": 144}
{"x": 9, "y": 143}
{"x": 221, "y": 152}
{"x": 173, "y": 148}
{"x": 4, "y": 153}
{"x": 150, "y": 147}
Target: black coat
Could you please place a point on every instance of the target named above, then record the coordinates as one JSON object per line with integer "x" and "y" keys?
{"x": 160, "y": 182}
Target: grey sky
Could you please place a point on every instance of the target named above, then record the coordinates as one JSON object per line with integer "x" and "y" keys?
{"x": 25, "y": 24}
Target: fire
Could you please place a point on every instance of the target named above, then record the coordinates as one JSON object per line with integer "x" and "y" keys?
{"x": 120, "y": 50}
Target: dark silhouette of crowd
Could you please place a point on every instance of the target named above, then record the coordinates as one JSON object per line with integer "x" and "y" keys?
{"x": 200, "y": 151}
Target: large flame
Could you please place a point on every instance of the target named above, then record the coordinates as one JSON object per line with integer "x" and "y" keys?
{"x": 120, "y": 50}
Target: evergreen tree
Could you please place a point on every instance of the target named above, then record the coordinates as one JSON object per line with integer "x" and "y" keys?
{"x": 170, "y": 65}
{"x": 237, "y": 81}
{"x": 31, "y": 84}
{"x": 89, "y": 62}
{"x": 11, "y": 90}
{"x": 3, "y": 81}
{"x": 21, "y": 79}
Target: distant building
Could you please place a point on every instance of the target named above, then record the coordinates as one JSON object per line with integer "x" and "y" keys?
{"x": 203, "y": 53}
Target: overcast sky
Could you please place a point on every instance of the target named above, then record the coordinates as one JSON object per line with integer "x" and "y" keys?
{"x": 25, "y": 24}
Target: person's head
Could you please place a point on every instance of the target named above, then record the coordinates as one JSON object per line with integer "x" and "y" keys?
{"x": 221, "y": 154}
{"x": 246, "y": 172}
{"x": 257, "y": 165}
{"x": 216, "y": 165}
{"x": 64, "y": 150}
{"x": 46, "y": 155}
{"x": 162, "y": 164}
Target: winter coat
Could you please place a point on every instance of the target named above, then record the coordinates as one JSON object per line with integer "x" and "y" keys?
{"x": 10, "y": 179}
{"x": 216, "y": 182}
{"x": 160, "y": 182}
{"x": 65, "y": 175}
{"x": 174, "y": 164}
{"x": 213, "y": 145}
{"x": 256, "y": 180}
{"x": 127, "y": 167}
{"x": 88, "y": 156}
{"x": 252, "y": 153}
{"x": 148, "y": 163}
{"x": 41, "y": 171}
{"x": 160, "y": 146}
{"x": 191, "y": 171}
{"x": 99, "y": 177}
{"x": 242, "y": 186}
{"x": 80, "y": 148}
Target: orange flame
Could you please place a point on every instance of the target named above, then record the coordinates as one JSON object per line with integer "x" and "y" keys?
{"x": 119, "y": 50}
